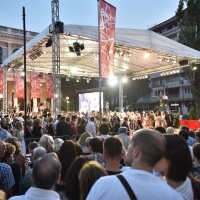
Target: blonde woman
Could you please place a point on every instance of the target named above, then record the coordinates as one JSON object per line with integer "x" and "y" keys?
{"x": 82, "y": 142}
{"x": 18, "y": 132}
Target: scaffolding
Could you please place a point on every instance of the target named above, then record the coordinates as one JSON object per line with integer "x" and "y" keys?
{"x": 120, "y": 95}
{"x": 54, "y": 30}
{"x": 4, "y": 56}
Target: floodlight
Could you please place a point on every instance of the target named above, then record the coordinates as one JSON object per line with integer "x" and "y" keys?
{"x": 146, "y": 54}
{"x": 113, "y": 80}
{"x": 124, "y": 79}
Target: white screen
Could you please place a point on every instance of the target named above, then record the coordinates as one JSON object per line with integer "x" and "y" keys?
{"x": 89, "y": 102}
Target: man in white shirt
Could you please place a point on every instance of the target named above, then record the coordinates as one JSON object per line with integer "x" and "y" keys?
{"x": 45, "y": 174}
{"x": 91, "y": 127}
{"x": 146, "y": 149}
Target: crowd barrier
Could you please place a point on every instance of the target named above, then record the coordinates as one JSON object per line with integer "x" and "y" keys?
{"x": 67, "y": 137}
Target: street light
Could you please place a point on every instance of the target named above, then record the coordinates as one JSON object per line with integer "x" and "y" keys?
{"x": 183, "y": 100}
{"x": 67, "y": 99}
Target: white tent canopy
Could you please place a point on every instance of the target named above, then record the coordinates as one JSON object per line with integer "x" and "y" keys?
{"x": 128, "y": 41}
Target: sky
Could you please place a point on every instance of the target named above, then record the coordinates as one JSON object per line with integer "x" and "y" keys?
{"x": 134, "y": 14}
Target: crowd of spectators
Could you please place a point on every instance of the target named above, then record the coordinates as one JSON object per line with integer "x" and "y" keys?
{"x": 126, "y": 156}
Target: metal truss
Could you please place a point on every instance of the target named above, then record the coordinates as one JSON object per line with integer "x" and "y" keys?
{"x": 90, "y": 90}
{"x": 55, "y": 58}
{"x": 5, "y": 103}
{"x": 120, "y": 94}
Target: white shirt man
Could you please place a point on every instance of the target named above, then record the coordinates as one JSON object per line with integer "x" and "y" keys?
{"x": 91, "y": 127}
{"x": 146, "y": 149}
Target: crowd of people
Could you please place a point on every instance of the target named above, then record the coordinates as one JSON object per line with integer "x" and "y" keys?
{"x": 129, "y": 155}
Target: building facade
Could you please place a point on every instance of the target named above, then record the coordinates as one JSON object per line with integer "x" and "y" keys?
{"x": 11, "y": 39}
{"x": 173, "y": 84}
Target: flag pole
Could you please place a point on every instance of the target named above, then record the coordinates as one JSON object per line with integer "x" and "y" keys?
{"x": 99, "y": 38}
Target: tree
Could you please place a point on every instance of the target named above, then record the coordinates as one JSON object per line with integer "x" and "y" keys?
{"x": 189, "y": 22}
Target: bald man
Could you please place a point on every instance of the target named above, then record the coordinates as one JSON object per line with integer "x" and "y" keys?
{"x": 6, "y": 175}
{"x": 147, "y": 147}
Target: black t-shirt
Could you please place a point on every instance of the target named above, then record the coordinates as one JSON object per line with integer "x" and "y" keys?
{"x": 50, "y": 129}
{"x": 36, "y": 131}
{"x": 113, "y": 173}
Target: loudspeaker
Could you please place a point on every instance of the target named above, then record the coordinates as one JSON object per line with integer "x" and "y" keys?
{"x": 60, "y": 27}
{"x": 183, "y": 63}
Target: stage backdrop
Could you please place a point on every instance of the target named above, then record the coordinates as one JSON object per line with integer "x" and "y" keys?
{"x": 19, "y": 85}
{"x": 35, "y": 85}
{"x": 49, "y": 86}
{"x": 1, "y": 80}
{"x": 107, "y": 36}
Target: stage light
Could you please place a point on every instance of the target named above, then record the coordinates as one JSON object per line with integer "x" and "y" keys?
{"x": 112, "y": 80}
{"x": 129, "y": 55}
{"x": 82, "y": 46}
{"x": 146, "y": 54}
{"x": 77, "y": 48}
{"x": 160, "y": 59}
{"x": 71, "y": 49}
{"x": 121, "y": 53}
{"x": 194, "y": 68}
{"x": 77, "y": 80}
{"x": 124, "y": 79}
{"x": 168, "y": 60}
{"x": 134, "y": 78}
{"x": 73, "y": 70}
{"x": 49, "y": 43}
{"x": 174, "y": 61}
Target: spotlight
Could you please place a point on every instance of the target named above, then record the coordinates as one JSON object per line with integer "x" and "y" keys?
{"x": 121, "y": 53}
{"x": 124, "y": 79}
{"x": 160, "y": 59}
{"x": 77, "y": 48}
{"x": 113, "y": 80}
{"x": 82, "y": 46}
{"x": 194, "y": 68}
{"x": 49, "y": 43}
{"x": 133, "y": 78}
{"x": 129, "y": 54}
{"x": 71, "y": 49}
{"x": 168, "y": 60}
{"x": 146, "y": 54}
{"x": 174, "y": 61}
{"x": 77, "y": 80}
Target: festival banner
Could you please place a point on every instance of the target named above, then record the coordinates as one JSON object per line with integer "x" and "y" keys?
{"x": 49, "y": 86}
{"x": 35, "y": 85}
{"x": 107, "y": 36}
{"x": 1, "y": 80}
{"x": 19, "y": 85}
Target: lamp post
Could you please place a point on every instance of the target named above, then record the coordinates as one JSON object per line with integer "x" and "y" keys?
{"x": 67, "y": 99}
{"x": 183, "y": 99}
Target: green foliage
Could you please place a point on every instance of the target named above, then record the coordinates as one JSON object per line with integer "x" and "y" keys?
{"x": 72, "y": 105}
{"x": 1, "y": 105}
{"x": 189, "y": 23}
{"x": 192, "y": 114}
{"x": 176, "y": 120}
{"x": 63, "y": 104}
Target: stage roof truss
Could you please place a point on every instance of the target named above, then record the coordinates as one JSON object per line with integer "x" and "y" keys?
{"x": 134, "y": 42}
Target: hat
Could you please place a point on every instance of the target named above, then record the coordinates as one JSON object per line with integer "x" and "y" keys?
{"x": 122, "y": 129}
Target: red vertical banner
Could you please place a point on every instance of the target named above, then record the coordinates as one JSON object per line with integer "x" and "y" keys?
{"x": 1, "y": 80}
{"x": 107, "y": 36}
{"x": 49, "y": 86}
{"x": 35, "y": 85}
{"x": 19, "y": 85}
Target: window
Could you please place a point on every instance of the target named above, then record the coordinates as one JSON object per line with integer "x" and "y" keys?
{"x": 187, "y": 90}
